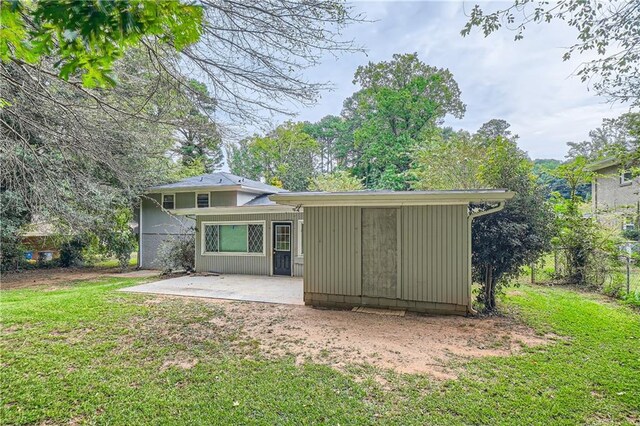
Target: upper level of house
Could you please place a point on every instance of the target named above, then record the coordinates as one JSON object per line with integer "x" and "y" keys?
{"x": 613, "y": 187}
{"x": 219, "y": 189}
{"x": 169, "y": 208}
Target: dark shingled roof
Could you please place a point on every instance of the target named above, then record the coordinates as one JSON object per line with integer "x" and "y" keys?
{"x": 219, "y": 179}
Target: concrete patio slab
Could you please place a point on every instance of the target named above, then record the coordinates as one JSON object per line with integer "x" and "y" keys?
{"x": 284, "y": 290}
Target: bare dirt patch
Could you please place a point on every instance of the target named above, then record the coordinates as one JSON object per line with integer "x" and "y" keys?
{"x": 434, "y": 345}
{"x": 58, "y": 277}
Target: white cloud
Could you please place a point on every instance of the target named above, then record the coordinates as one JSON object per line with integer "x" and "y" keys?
{"x": 524, "y": 82}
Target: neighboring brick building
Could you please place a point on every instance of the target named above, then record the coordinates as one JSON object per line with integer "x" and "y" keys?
{"x": 615, "y": 194}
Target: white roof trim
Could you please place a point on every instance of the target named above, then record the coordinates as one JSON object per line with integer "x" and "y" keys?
{"x": 400, "y": 198}
{"x": 217, "y": 188}
{"x": 216, "y": 211}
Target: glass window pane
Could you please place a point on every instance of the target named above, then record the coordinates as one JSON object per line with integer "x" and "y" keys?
{"x": 256, "y": 236}
{"x": 202, "y": 200}
{"x": 168, "y": 202}
{"x": 233, "y": 238}
{"x": 211, "y": 238}
{"x": 283, "y": 239}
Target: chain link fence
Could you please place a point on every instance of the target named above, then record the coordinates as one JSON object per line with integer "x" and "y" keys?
{"x": 615, "y": 275}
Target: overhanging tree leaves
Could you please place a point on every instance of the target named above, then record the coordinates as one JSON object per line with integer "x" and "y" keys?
{"x": 80, "y": 145}
{"x": 607, "y": 28}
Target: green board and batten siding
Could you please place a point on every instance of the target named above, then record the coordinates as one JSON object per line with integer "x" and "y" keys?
{"x": 432, "y": 252}
{"x": 248, "y": 264}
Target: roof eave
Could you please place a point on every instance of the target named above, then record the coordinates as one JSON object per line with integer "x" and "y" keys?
{"x": 210, "y": 188}
{"x": 215, "y": 211}
{"x": 335, "y": 200}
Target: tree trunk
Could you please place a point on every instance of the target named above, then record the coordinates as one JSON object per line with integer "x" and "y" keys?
{"x": 489, "y": 291}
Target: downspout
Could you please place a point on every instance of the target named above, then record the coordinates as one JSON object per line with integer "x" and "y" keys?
{"x": 195, "y": 241}
{"x": 470, "y": 218}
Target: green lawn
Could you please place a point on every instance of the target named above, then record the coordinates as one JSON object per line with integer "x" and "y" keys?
{"x": 86, "y": 354}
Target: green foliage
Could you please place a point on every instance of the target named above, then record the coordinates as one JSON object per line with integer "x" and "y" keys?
{"x": 14, "y": 216}
{"x": 338, "y": 181}
{"x": 617, "y": 137}
{"x": 631, "y": 234}
{"x": 116, "y": 237}
{"x": 587, "y": 250}
{"x": 335, "y": 137}
{"x": 544, "y": 170}
{"x": 447, "y": 161}
{"x": 198, "y": 142}
{"x": 286, "y": 155}
{"x": 399, "y": 101}
{"x": 72, "y": 251}
{"x": 575, "y": 173}
{"x": 87, "y": 37}
{"x": 504, "y": 242}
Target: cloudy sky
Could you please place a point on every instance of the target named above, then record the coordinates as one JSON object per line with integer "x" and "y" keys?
{"x": 524, "y": 82}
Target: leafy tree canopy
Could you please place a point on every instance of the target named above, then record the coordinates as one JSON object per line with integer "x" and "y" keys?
{"x": 285, "y": 156}
{"x": 399, "y": 101}
{"x": 545, "y": 172}
{"x": 338, "y": 181}
{"x": 87, "y": 37}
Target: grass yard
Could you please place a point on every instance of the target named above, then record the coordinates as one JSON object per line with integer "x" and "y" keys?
{"x": 83, "y": 353}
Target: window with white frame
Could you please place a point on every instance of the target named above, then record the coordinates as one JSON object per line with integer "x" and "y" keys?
{"x": 233, "y": 238}
{"x": 168, "y": 201}
{"x": 300, "y": 238}
{"x": 202, "y": 200}
{"x": 625, "y": 177}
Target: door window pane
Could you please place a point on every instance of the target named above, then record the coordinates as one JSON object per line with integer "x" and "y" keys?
{"x": 283, "y": 238}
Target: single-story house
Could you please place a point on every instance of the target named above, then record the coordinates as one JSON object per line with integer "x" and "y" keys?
{"x": 409, "y": 250}
{"x": 41, "y": 242}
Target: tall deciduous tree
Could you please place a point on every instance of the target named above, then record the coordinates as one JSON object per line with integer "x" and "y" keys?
{"x": 399, "y": 100}
{"x": 335, "y": 136}
{"x": 607, "y": 28}
{"x": 285, "y": 157}
{"x": 440, "y": 162}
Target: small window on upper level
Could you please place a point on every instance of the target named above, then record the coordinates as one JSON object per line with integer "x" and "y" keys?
{"x": 168, "y": 201}
{"x": 625, "y": 178}
{"x": 202, "y": 200}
